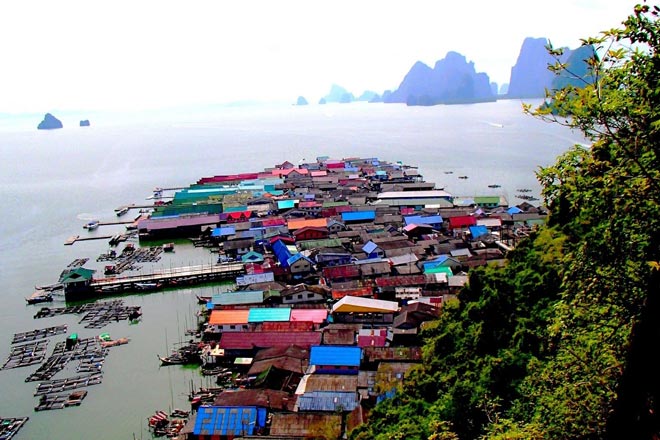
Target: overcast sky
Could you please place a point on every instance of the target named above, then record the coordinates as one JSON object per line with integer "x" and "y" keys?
{"x": 148, "y": 54}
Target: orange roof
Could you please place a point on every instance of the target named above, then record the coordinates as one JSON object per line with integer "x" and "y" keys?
{"x": 301, "y": 223}
{"x": 221, "y": 317}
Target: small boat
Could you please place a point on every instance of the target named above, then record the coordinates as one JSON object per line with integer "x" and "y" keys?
{"x": 449, "y": 172}
{"x": 168, "y": 247}
{"x": 121, "y": 211}
{"x": 39, "y": 296}
{"x": 147, "y": 286}
{"x": 494, "y": 186}
{"x": 90, "y": 226}
{"x": 174, "y": 359}
{"x": 524, "y": 190}
{"x": 203, "y": 299}
{"x": 462, "y": 177}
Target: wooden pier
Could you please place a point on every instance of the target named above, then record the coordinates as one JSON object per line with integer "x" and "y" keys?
{"x": 186, "y": 275}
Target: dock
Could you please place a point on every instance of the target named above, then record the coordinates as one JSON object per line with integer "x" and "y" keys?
{"x": 74, "y": 238}
{"x": 186, "y": 275}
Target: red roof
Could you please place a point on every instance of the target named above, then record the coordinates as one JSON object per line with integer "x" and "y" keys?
{"x": 346, "y": 271}
{"x": 462, "y": 221}
{"x": 371, "y": 341}
{"x": 289, "y": 326}
{"x": 403, "y": 280}
{"x": 228, "y": 178}
{"x": 362, "y": 291}
{"x": 249, "y": 340}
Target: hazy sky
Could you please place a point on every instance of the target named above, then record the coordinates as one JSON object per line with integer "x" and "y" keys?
{"x": 139, "y": 54}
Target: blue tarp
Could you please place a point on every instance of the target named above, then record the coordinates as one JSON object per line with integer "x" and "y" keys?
{"x": 514, "y": 210}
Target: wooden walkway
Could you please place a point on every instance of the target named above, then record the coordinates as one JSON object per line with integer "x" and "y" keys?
{"x": 186, "y": 275}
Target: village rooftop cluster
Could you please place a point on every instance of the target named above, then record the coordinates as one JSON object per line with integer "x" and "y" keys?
{"x": 340, "y": 264}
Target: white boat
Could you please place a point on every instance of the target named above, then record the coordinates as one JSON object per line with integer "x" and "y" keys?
{"x": 147, "y": 286}
{"x": 90, "y": 226}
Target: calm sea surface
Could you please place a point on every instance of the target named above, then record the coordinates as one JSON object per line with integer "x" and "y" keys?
{"x": 52, "y": 182}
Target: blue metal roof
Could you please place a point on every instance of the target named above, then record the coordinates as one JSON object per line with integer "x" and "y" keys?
{"x": 297, "y": 257}
{"x": 286, "y": 204}
{"x": 358, "y": 215}
{"x": 369, "y": 247}
{"x": 229, "y": 421}
{"x": 478, "y": 231}
{"x": 423, "y": 220}
{"x": 328, "y": 401}
{"x": 514, "y": 210}
{"x": 281, "y": 314}
{"x": 335, "y": 355}
{"x": 223, "y": 231}
{"x": 282, "y": 253}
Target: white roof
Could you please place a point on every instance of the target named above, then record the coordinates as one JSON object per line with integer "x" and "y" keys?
{"x": 356, "y": 302}
{"x": 489, "y": 222}
{"x": 413, "y": 194}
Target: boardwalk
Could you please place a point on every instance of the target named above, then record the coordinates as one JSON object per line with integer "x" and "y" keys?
{"x": 169, "y": 277}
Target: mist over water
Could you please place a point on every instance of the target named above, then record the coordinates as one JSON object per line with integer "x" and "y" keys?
{"x": 53, "y": 182}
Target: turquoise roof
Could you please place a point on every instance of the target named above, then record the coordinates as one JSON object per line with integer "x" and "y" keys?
{"x": 282, "y": 314}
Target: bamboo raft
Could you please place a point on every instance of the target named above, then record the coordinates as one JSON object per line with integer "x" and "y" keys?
{"x": 26, "y": 355}
{"x": 42, "y": 333}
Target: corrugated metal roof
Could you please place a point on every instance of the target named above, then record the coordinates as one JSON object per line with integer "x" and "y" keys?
{"x": 247, "y": 341}
{"x": 335, "y": 356}
{"x": 316, "y": 223}
{"x": 240, "y": 297}
{"x": 478, "y": 231}
{"x": 327, "y": 382}
{"x": 364, "y": 305}
{"x": 317, "y": 316}
{"x": 327, "y": 401}
{"x": 413, "y": 194}
{"x": 358, "y": 216}
{"x": 222, "y": 420}
{"x": 287, "y": 326}
{"x": 223, "y": 231}
{"x": 269, "y": 314}
{"x": 304, "y": 424}
{"x": 221, "y": 317}
{"x": 423, "y": 220}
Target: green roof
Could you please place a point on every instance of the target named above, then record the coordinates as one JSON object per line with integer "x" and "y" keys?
{"x": 76, "y": 275}
{"x": 334, "y": 204}
{"x": 313, "y": 244}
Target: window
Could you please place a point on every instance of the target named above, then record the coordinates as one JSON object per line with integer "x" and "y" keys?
{"x": 300, "y": 296}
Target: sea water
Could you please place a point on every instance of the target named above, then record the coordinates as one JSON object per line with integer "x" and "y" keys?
{"x": 53, "y": 182}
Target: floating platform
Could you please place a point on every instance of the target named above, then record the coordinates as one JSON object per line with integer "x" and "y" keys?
{"x": 10, "y": 426}
{"x": 70, "y": 383}
{"x": 26, "y": 355}
{"x": 60, "y": 401}
{"x": 41, "y": 333}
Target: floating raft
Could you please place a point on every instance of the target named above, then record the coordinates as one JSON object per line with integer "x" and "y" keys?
{"x": 71, "y": 383}
{"x": 85, "y": 349}
{"x": 60, "y": 401}
{"x": 41, "y": 333}
{"x": 10, "y": 426}
{"x": 97, "y": 315}
{"x": 26, "y": 355}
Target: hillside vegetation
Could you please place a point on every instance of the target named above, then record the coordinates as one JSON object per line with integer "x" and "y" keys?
{"x": 560, "y": 343}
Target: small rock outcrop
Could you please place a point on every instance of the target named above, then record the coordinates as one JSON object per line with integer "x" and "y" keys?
{"x": 50, "y": 122}
{"x": 84, "y": 123}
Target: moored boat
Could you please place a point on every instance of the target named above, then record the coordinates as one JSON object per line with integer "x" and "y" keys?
{"x": 168, "y": 247}
{"x": 91, "y": 225}
{"x": 147, "y": 286}
{"x": 39, "y": 296}
{"x": 121, "y": 211}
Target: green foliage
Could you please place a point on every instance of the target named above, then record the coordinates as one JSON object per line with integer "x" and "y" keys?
{"x": 560, "y": 342}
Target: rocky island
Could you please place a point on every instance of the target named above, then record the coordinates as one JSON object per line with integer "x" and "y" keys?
{"x": 49, "y": 122}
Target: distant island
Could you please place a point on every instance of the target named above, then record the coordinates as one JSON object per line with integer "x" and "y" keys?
{"x": 84, "y": 123}
{"x": 453, "y": 80}
{"x": 49, "y": 122}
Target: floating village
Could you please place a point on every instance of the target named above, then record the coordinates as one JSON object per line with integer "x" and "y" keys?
{"x": 337, "y": 265}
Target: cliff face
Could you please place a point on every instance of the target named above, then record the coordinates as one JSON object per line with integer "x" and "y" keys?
{"x": 452, "y": 80}
{"x": 530, "y": 76}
